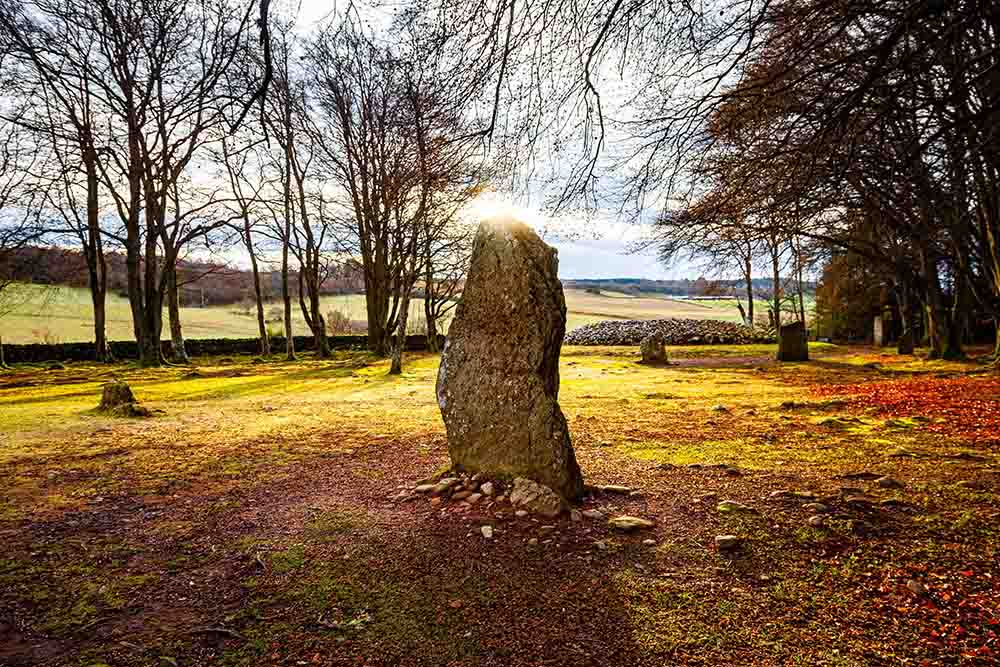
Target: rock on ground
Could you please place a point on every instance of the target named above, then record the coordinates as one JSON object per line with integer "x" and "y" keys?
{"x": 653, "y": 350}
{"x": 498, "y": 381}
{"x": 629, "y": 523}
{"x": 535, "y": 497}
{"x": 114, "y": 394}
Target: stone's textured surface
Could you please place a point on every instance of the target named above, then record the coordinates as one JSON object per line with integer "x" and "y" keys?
{"x": 487, "y": 489}
{"x": 498, "y": 381}
{"x": 653, "y": 350}
{"x": 536, "y": 498}
{"x": 629, "y": 523}
{"x": 793, "y": 343}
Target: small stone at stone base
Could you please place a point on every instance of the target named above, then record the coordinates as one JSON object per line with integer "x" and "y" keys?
{"x": 629, "y": 523}
{"x": 474, "y": 498}
{"x": 615, "y": 488}
{"x": 436, "y": 500}
{"x": 425, "y": 488}
{"x": 444, "y": 485}
{"x": 546, "y": 530}
{"x": 533, "y": 542}
{"x": 816, "y": 521}
{"x": 595, "y": 515}
{"x": 726, "y": 542}
{"x": 649, "y": 543}
{"x": 487, "y": 532}
{"x": 520, "y": 514}
{"x": 487, "y": 489}
{"x": 461, "y": 495}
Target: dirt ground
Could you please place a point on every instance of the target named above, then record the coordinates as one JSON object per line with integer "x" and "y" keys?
{"x": 253, "y": 521}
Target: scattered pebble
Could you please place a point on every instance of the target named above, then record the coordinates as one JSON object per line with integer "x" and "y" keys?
{"x": 726, "y": 542}
{"x": 889, "y": 483}
{"x": 487, "y": 532}
{"x": 629, "y": 523}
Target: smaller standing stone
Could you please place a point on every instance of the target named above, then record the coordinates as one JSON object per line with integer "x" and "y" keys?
{"x": 793, "y": 342}
{"x": 654, "y": 350}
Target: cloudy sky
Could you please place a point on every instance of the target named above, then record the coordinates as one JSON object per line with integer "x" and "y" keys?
{"x": 587, "y": 249}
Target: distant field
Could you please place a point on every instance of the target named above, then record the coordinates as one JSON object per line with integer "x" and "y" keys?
{"x": 63, "y": 314}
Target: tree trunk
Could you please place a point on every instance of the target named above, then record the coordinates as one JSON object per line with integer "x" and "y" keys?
{"x": 747, "y": 275}
{"x": 776, "y": 286}
{"x": 265, "y": 342}
{"x": 3, "y": 363}
{"x": 96, "y": 264}
{"x": 400, "y": 341}
{"x": 286, "y": 294}
{"x": 177, "y": 346}
{"x": 939, "y": 320}
{"x": 906, "y": 341}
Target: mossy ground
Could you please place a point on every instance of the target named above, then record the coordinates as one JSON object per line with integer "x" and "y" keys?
{"x": 250, "y": 522}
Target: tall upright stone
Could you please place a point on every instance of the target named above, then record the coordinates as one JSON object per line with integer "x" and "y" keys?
{"x": 498, "y": 383}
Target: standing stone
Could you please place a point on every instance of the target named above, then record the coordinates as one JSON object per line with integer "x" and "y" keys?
{"x": 653, "y": 349}
{"x": 498, "y": 382}
{"x": 792, "y": 343}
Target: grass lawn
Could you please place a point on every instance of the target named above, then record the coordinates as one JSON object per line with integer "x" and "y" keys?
{"x": 64, "y": 314}
{"x": 252, "y": 520}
